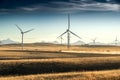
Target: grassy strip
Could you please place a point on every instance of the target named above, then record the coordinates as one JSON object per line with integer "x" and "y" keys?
{"x": 96, "y": 75}
{"x": 25, "y": 67}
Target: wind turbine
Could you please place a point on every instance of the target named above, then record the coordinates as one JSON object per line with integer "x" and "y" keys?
{"x": 94, "y": 41}
{"x": 0, "y": 41}
{"x": 68, "y": 31}
{"x": 116, "y": 41}
{"x": 61, "y": 39}
{"x": 22, "y": 33}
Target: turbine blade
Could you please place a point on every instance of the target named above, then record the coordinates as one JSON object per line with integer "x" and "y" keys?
{"x": 68, "y": 21}
{"x": 19, "y": 28}
{"x": 28, "y": 30}
{"x": 75, "y": 34}
{"x": 62, "y": 34}
{"x": 60, "y": 37}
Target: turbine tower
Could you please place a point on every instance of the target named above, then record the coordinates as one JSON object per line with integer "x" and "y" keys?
{"x": 22, "y": 33}
{"x": 68, "y": 31}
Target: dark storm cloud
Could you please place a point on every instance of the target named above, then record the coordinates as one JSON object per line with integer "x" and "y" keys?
{"x": 58, "y": 5}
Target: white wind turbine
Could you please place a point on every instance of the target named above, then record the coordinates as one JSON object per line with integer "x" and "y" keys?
{"x": 68, "y": 31}
{"x": 22, "y": 33}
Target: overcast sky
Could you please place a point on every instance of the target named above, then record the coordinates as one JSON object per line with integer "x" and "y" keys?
{"x": 89, "y": 19}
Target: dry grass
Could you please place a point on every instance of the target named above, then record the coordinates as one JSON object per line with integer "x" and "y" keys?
{"x": 37, "y": 59}
{"x": 95, "y": 75}
{"x": 39, "y": 66}
{"x": 49, "y": 47}
{"x": 53, "y": 51}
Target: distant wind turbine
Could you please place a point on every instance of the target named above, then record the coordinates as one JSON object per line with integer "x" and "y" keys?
{"x": 68, "y": 31}
{"x": 22, "y": 33}
{"x": 61, "y": 39}
{"x": 94, "y": 41}
{"x": 116, "y": 41}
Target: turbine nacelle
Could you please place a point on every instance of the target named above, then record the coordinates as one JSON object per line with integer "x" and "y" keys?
{"x": 67, "y": 30}
{"x": 22, "y": 32}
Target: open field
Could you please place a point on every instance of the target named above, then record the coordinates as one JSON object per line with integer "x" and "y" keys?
{"x": 48, "y": 62}
{"x": 53, "y": 47}
{"x": 39, "y": 66}
{"x": 95, "y": 75}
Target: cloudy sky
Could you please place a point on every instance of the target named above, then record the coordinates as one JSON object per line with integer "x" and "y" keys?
{"x": 89, "y": 19}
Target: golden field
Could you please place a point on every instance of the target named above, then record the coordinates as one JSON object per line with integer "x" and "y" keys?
{"x": 55, "y": 62}
{"x": 94, "y": 75}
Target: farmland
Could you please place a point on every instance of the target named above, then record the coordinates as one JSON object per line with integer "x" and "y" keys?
{"x": 56, "y": 62}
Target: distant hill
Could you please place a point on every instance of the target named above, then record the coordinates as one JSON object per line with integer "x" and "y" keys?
{"x": 78, "y": 43}
{"x": 114, "y": 44}
{"x": 8, "y": 41}
{"x": 97, "y": 43}
{"x": 55, "y": 42}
